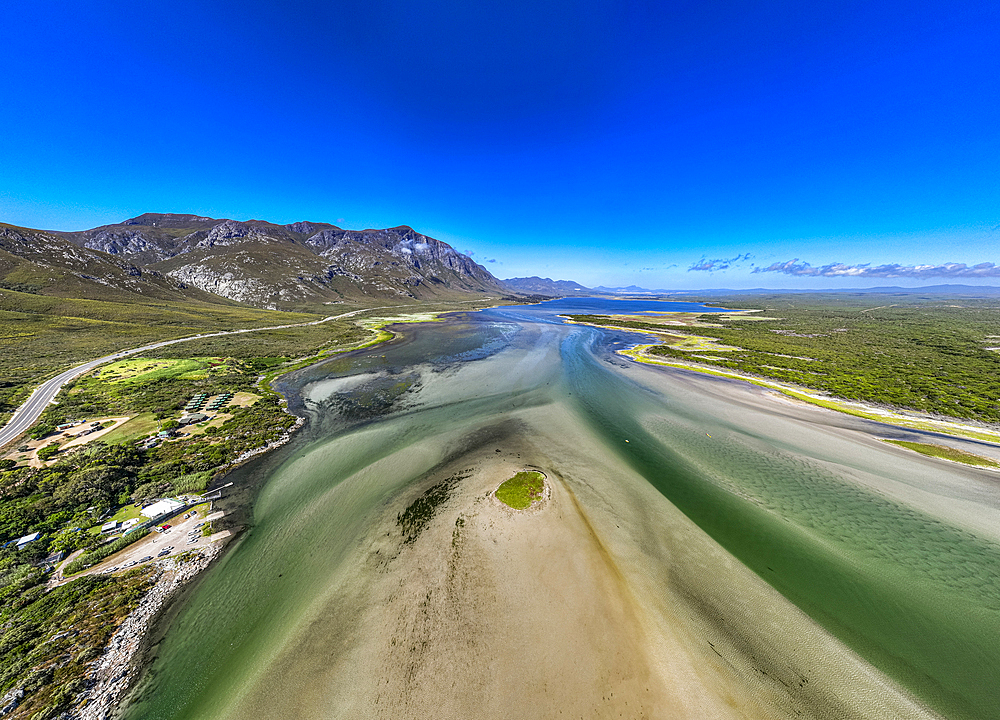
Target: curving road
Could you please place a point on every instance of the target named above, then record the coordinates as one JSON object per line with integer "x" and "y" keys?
{"x": 26, "y": 415}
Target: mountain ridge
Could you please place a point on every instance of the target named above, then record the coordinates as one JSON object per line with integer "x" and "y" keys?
{"x": 276, "y": 266}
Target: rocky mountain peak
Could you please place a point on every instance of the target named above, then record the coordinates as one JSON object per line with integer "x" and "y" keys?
{"x": 272, "y": 265}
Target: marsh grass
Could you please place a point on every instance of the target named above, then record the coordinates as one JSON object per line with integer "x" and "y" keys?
{"x": 521, "y": 490}
{"x": 927, "y": 354}
{"x": 416, "y": 516}
{"x": 946, "y": 453}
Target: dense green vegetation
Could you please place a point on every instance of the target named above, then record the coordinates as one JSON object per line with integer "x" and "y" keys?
{"x": 287, "y": 343}
{"x": 925, "y": 354}
{"x": 47, "y": 639}
{"x": 87, "y": 484}
{"x": 521, "y": 490}
{"x": 945, "y": 453}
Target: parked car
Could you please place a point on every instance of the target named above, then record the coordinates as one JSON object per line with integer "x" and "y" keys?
{"x": 163, "y": 552}
{"x": 130, "y": 563}
{"x": 166, "y": 527}
{"x": 148, "y": 557}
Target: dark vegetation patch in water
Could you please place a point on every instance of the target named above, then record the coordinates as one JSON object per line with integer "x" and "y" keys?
{"x": 415, "y": 518}
{"x": 374, "y": 398}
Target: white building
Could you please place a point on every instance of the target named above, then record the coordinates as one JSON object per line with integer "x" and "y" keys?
{"x": 161, "y": 508}
{"x": 27, "y": 539}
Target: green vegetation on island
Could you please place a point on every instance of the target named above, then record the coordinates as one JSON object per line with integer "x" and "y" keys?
{"x": 521, "y": 490}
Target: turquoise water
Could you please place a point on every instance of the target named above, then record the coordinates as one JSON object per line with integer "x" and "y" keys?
{"x": 849, "y": 533}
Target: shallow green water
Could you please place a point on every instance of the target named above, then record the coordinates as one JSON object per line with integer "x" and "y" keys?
{"x": 852, "y": 536}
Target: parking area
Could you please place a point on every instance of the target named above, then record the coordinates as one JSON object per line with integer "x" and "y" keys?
{"x": 184, "y": 533}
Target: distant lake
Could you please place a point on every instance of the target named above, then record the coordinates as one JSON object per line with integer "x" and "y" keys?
{"x": 612, "y": 306}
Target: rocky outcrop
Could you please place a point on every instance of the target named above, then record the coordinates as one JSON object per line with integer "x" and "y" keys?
{"x": 61, "y": 267}
{"x": 129, "y": 242}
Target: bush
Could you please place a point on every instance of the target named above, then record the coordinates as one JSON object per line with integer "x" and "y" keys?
{"x": 48, "y": 452}
{"x": 41, "y": 430}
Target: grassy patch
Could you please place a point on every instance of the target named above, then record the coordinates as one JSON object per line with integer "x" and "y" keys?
{"x": 521, "y": 490}
{"x": 143, "y": 369}
{"x": 126, "y": 512}
{"x": 139, "y": 426}
{"x": 946, "y": 453}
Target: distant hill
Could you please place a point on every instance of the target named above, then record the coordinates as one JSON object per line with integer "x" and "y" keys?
{"x": 945, "y": 290}
{"x": 273, "y": 266}
{"x": 546, "y": 286}
{"x": 629, "y": 290}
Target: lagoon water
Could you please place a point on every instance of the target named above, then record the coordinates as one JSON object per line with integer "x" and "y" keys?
{"x": 708, "y": 551}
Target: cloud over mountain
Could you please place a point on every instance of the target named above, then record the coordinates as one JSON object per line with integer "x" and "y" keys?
{"x": 893, "y": 270}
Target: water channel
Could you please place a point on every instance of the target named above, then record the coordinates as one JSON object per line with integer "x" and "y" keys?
{"x": 708, "y": 550}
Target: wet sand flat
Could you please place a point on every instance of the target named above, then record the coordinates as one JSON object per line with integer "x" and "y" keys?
{"x": 603, "y": 602}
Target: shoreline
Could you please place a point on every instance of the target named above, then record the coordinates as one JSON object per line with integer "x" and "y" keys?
{"x": 910, "y": 420}
{"x": 469, "y": 578}
{"x": 115, "y": 673}
{"x": 889, "y": 415}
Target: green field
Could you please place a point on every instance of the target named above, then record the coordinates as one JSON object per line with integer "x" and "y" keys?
{"x": 521, "y": 490}
{"x": 43, "y": 335}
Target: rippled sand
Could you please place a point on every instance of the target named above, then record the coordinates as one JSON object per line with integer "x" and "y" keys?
{"x": 603, "y": 602}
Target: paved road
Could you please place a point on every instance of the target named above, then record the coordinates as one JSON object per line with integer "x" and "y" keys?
{"x": 26, "y": 415}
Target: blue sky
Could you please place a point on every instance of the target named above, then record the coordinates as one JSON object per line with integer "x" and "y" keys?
{"x": 666, "y": 144}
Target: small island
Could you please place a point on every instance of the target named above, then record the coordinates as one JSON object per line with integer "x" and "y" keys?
{"x": 522, "y": 490}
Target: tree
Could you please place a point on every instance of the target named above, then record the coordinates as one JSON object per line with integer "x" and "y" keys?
{"x": 48, "y": 452}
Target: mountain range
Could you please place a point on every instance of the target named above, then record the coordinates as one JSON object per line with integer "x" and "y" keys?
{"x": 546, "y": 286}
{"x": 254, "y": 262}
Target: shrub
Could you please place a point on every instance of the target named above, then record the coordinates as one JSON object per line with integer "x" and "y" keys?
{"x": 48, "y": 452}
